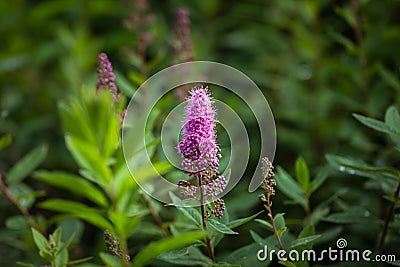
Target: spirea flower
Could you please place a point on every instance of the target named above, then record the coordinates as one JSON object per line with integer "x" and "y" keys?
{"x": 106, "y": 78}
{"x": 200, "y": 151}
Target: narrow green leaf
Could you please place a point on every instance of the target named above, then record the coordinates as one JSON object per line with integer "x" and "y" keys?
{"x": 26, "y": 165}
{"x": 25, "y": 264}
{"x": 289, "y": 187}
{"x": 357, "y": 167}
{"x": 319, "y": 179}
{"x": 74, "y": 184}
{"x": 389, "y": 78}
{"x": 238, "y": 222}
{"x": 191, "y": 213}
{"x": 302, "y": 174}
{"x": 265, "y": 223}
{"x": 165, "y": 245}
{"x": 79, "y": 261}
{"x": 79, "y": 210}
{"x": 303, "y": 241}
{"x": 190, "y": 256}
{"x": 40, "y": 241}
{"x": 287, "y": 263}
{"x": 392, "y": 118}
{"x": 377, "y": 125}
{"x": 220, "y": 227}
{"x": 110, "y": 260}
{"x": 5, "y": 141}
{"x": 88, "y": 157}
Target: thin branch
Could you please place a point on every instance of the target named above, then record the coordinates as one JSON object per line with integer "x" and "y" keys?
{"x": 388, "y": 217}
{"x": 155, "y": 215}
{"x": 16, "y": 203}
{"x": 270, "y": 215}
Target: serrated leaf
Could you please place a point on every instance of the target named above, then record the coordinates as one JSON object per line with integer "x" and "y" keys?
{"x": 220, "y": 227}
{"x": 165, "y": 245}
{"x": 302, "y": 174}
{"x": 26, "y": 165}
{"x": 74, "y": 184}
{"x": 377, "y": 125}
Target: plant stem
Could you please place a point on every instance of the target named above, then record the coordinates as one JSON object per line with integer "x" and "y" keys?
{"x": 155, "y": 215}
{"x": 204, "y": 218}
{"x": 270, "y": 215}
{"x": 388, "y": 217}
{"x": 16, "y": 203}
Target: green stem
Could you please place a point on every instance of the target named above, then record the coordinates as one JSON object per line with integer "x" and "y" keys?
{"x": 155, "y": 215}
{"x": 204, "y": 218}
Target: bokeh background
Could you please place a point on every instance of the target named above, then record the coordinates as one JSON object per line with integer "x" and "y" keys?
{"x": 317, "y": 62}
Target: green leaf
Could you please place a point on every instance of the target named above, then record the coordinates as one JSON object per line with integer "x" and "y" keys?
{"x": 389, "y": 78}
{"x": 88, "y": 157}
{"x": 238, "y": 222}
{"x": 17, "y": 222}
{"x": 5, "y": 141}
{"x": 303, "y": 241}
{"x": 302, "y": 174}
{"x": 357, "y": 167}
{"x": 110, "y": 260}
{"x": 74, "y": 262}
{"x": 25, "y": 264}
{"x": 79, "y": 210}
{"x": 319, "y": 179}
{"x": 279, "y": 221}
{"x": 377, "y": 125}
{"x": 287, "y": 263}
{"x": 220, "y": 227}
{"x": 168, "y": 244}
{"x": 26, "y": 165}
{"x": 124, "y": 224}
{"x": 395, "y": 263}
{"x": 392, "y": 118}
{"x": 265, "y": 223}
{"x": 190, "y": 256}
{"x": 74, "y": 184}
{"x": 289, "y": 187}
{"x": 191, "y": 213}
{"x": 40, "y": 241}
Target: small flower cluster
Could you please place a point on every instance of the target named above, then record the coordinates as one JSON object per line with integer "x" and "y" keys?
{"x": 216, "y": 186}
{"x": 218, "y": 209}
{"x": 199, "y": 150}
{"x": 106, "y": 79}
{"x": 268, "y": 172}
{"x": 187, "y": 190}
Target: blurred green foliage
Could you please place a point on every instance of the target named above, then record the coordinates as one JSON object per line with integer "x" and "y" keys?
{"x": 317, "y": 62}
